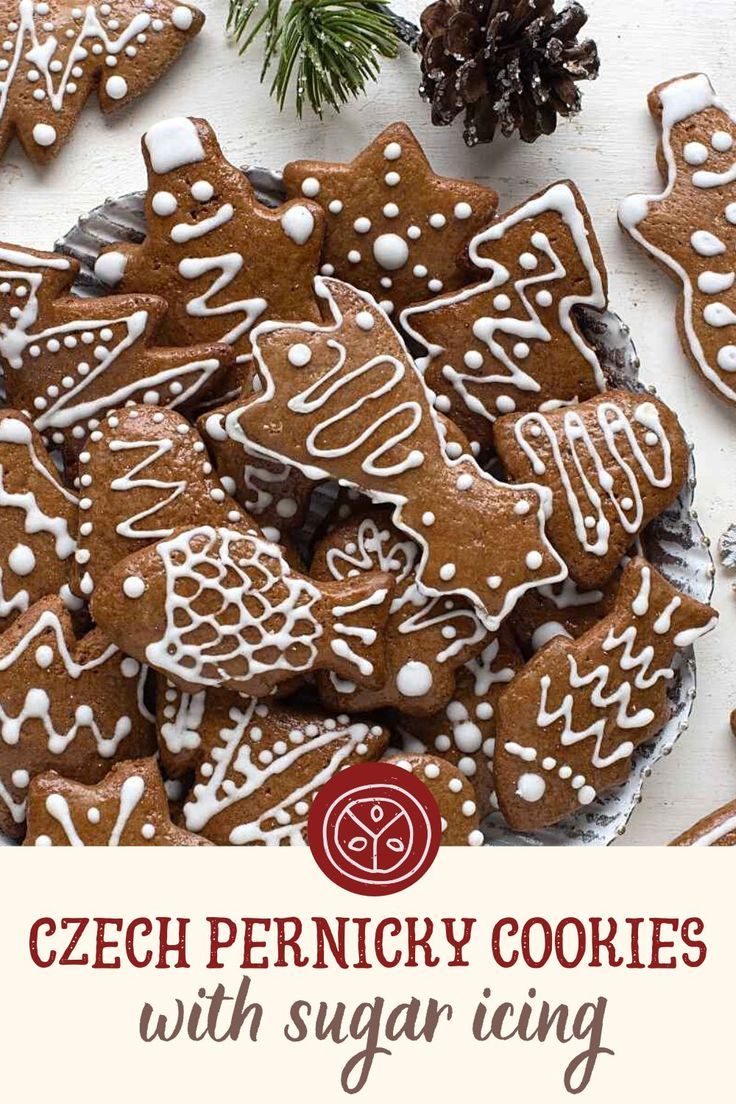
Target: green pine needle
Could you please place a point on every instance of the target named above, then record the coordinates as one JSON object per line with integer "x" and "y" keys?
{"x": 329, "y": 48}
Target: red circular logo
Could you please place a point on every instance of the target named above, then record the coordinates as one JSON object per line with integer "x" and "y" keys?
{"x": 374, "y": 829}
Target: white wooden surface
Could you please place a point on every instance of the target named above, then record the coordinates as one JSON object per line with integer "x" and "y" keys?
{"x": 608, "y": 151}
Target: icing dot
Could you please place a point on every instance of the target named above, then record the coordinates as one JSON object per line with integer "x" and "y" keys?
{"x": 365, "y": 320}
{"x": 43, "y": 134}
{"x": 116, "y": 87}
{"x": 534, "y": 560}
{"x": 528, "y": 261}
{"x": 93, "y": 815}
{"x": 44, "y": 656}
{"x": 310, "y": 187}
{"x": 22, "y": 560}
{"x": 544, "y": 298}
{"x": 706, "y": 244}
{"x": 428, "y": 518}
{"x": 148, "y": 831}
{"x": 164, "y": 203}
{"x": 722, "y": 141}
{"x": 298, "y": 223}
{"x": 502, "y": 302}
{"x": 335, "y": 207}
{"x": 362, "y": 225}
{"x": 420, "y": 271}
{"x": 435, "y": 285}
{"x": 521, "y": 350}
{"x": 505, "y": 404}
{"x": 463, "y": 210}
{"x": 392, "y": 179}
{"x": 468, "y": 808}
{"x": 522, "y": 507}
{"x": 20, "y": 779}
{"x": 695, "y": 153}
{"x": 447, "y": 572}
{"x": 133, "y": 587}
{"x": 414, "y": 679}
{"x": 473, "y": 359}
{"x": 129, "y": 667}
{"x": 531, "y": 787}
{"x": 392, "y": 151}
{"x": 731, "y": 213}
{"x": 182, "y": 18}
{"x": 437, "y": 221}
{"x": 586, "y": 794}
{"x": 299, "y": 355}
{"x": 727, "y": 358}
{"x": 413, "y": 233}
{"x": 354, "y": 256}
{"x": 390, "y": 251}
{"x": 391, "y": 210}
{"x": 202, "y": 191}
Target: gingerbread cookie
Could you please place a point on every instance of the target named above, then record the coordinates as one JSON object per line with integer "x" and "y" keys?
{"x": 345, "y": 400}
{"x": 716, "y": 830}
{"x": 394, "y": 228}
{"x": 74, "y": 706}
{"x": 454, "y": 795}
{"x": 514, "y": 341}
{"x": 128, "y": 808}
{"x": 689, "y": 227}
{"x": 274, "y": 493}
{"x": 464, "y": 731}
{"x": 37, "y": 520}
{"x": 220, "y": 606}
{"x": 612, "y": 464}
{"x": 572, "y": 718}
{"x": 261, "y": 764}
{"x": 57, "y": 54}
{"x": 69, "y": 360}
{"x": 143, "y": 474}
{"x": 219, "y": 257}
{"x": 427, "y": 639}
{"x": 563, "y": 609}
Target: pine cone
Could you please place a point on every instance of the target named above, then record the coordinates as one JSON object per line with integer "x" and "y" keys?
{"x": 508, "y": 64}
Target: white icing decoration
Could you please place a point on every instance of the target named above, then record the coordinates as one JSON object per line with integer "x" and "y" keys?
{"x": 531, "y": 787}
{"x": 493, "y": 331}
{"x": 44, "y": 134}
{"x": 202, "y": 191}
{"x": 182, "y": 17}
{"x": 414, "y": 679}
{"x": 297, "y": 223}
{"x": 116, "y": 87}
{"x": 163, "y": 204}
{"x": 173, "y": 143}
{"x": 390, "y": 251}
{"x": 109, "y": 267}
{"x": 706, "y": 244}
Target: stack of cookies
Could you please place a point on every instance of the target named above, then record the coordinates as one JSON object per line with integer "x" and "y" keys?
{"x": 250, "y": 534}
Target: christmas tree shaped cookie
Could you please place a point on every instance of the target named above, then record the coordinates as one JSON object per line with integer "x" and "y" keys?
{"x": 218, "y": 257}
{"x": 514, "y": 341}
{"x": 74, "y": 706}
{"x": 142, "y": 475}
{"x": 573, "y": 717}
{"x": 38, "y": 517}
{"x": 128, "y": 808}
{"x": 69, "y": 360}
{"x": 427, "y": 639}
{"x": 345, "y": 400}
{"x": 260, "y": 765}
{"x": 690, "y": 228}
{"x": 612, "y": 463}
{"x": 394, "y": 227}
{"x": 54, "y": 54}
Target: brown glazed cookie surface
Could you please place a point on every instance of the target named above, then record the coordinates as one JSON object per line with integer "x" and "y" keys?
{"x": 68, "y": 360}
{"x": 219, "y": 257}
{"x": 59, "y": 53}
{"x": 612, "y": 463}
{"x": 260, "y": 765}
{"x": 394, "y": 228}
{"x": 218, "y": 606}
{"x": 572, "y": 718}
{"x": 37, "y": 520}
{"x": 345, "y": 400}
{"x": 514, "y": 341}
{"x": 454, "y": 795}
{"x": 564, "y": 609}
{"x": 716, "y": 830}
{"x": 464, "y": 731}
{"x": 427, "y": 639}
{"x": 689, "y": 228}
{"x": 75, "y": 706}
{"x": 128, "y": 808}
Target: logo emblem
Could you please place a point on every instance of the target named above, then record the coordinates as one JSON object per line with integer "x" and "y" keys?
{"x": 374, "y": 829}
